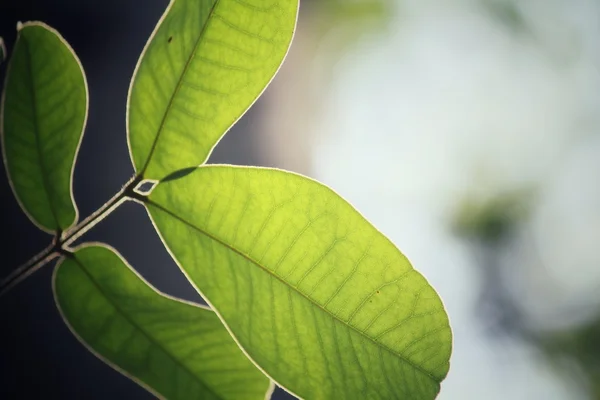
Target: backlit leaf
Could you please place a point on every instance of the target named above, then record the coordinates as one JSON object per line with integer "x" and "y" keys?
{"x": 44, "y": 111}
{"x": 317, "y": 297}
{"x": 175, "y": 349}
{"x": 205, "y": 64}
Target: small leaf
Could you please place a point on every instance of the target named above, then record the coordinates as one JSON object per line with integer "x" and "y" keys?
{"x": 174, "y": 349}
{"x": 315, "y": 295}
{"x": 203, "y": 67}
{"x": 44, "y": 111}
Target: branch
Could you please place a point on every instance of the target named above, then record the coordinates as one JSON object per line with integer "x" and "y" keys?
{"x": 19, "y": 274}
{"x": 62, "y": 242}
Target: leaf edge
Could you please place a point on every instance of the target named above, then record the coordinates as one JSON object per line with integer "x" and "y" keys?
{"x": 234, "y": 337}
{"x": 20, "y": 26}
{"x": 136, "y": 70}
{"x": 272, "y": 383}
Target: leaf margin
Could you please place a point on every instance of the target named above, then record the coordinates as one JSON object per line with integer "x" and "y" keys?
{"x": 225, "y": 324}
{"x": 20, "y": 26}
{"x": 135, "y": 73}
{"x": 272, "y": 383}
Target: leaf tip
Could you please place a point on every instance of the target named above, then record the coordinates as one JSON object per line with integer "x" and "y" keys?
{"x": 19, "y": 26}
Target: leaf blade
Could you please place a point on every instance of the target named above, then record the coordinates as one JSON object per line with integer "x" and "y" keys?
{"x": 174, "y": 349}
{"x": 202, "y": 68}
{"x": 44, "y": 111}
{"x": 347, "y": 315}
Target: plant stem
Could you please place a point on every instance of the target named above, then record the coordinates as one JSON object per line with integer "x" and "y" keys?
{"x": 27, "y": 269}
{"x": 81, "y": 228}
{"x": 61, "y": 243}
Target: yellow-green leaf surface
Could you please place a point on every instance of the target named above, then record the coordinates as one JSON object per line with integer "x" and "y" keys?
{"x": 205, "y": 64}
{"x": 44, "y": 110}
{"x": 175, "y": 349}
{"x": 317, "y": 297}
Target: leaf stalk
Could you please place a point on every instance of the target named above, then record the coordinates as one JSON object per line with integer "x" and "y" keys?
{"x": 60, "y": 245}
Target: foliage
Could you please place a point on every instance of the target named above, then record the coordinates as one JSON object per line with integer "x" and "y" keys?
{"x": 44, "y": 112}
{"x": 148, "y": 335}
{"x": 302, "y": 287}
{"x": 491, "y": 220}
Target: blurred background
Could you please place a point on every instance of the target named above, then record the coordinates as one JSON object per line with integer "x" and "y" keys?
{"x": 467, "y": 131}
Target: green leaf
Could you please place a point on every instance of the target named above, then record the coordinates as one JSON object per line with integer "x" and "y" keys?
{"x": 176, "y": 350}
{"x": 203, "y": 67}
{"x": 44, "y": 110}
{"x": 315, "y": 295}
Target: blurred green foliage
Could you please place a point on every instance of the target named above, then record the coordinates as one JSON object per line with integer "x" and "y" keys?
{"x": 508, "y": 13}
{"x": 488, "y": 225}
{"x": 492, "y": 219}
{"x": 576, "y": 353}
{"x": 350, "y": 20}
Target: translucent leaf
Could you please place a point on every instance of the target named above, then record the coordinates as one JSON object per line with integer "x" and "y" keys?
{"x": 315, "y": 295}
{"x": 205, "y": 64}
{"x": 176, "y": 350}
{"x": 44, "y": 111}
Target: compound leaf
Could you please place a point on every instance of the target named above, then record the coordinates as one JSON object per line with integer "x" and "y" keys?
{"x": 315, "y": 295}
{"x": 205, "y": 64}
{"x": 174, "y": 349}
{"x": 44, "y": 110}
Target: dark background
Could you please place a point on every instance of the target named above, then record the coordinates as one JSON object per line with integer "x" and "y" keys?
{"x": 39, "y": 357}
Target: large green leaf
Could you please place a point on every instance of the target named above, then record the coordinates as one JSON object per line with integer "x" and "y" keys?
{"x": 205, "y": 64}
{"x": 44, "y": 110}
{"x": 176, "y": 350}
{"x": 316, "y": 296}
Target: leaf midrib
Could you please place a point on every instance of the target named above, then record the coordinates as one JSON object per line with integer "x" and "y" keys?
{"x": 36, "y": 128}
{"x": 247, "y": 257}
{"x": 178, "y": 86}
{"x": 143, "y": 331}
